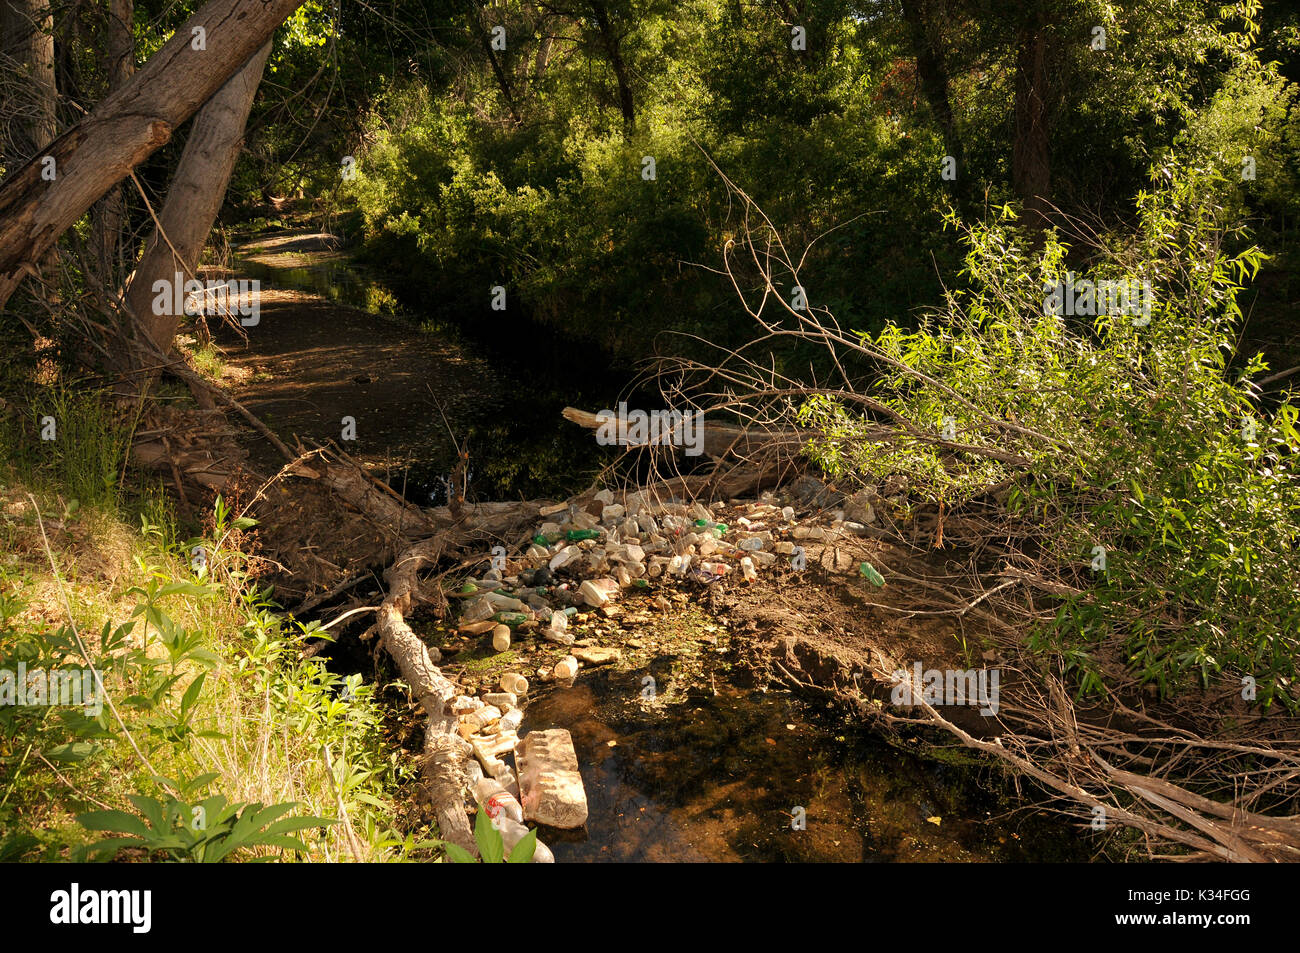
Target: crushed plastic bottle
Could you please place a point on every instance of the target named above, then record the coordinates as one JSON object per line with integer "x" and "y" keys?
{"x": 503, "y": 700}
{"x": 480, "y": 610}
{"x": 564, "y": 557}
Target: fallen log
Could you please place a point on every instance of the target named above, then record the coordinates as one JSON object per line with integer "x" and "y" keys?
{"x": 717, "y": 441}
{"x": 445, "y": 752}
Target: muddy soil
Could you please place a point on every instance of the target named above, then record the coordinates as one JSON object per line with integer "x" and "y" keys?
{"x": 308, "y": 365}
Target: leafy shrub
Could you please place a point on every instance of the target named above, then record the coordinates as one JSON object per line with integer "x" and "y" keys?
{"x": 1136, "y": 437}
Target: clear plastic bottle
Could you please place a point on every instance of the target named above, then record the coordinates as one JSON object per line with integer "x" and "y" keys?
{"x": 501, "y": 638}
{"x": 514, "y": 682}
{"x": 493, "y": 797}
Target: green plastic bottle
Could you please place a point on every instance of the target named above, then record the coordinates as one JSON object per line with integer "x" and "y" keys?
{"x": 577, "y": 535}
{"x": 869, "y": 572}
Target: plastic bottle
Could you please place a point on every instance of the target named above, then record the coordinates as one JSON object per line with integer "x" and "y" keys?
{"x": 512, "y": 833}
{"x": 507, "y": 817}
{"x": 514, "y": 682}
{"x": 747, "y": 567}
{"x": 563, "y": 557}
{"x": 480, "y": 610}
{"x": 502, "y": 601}
{"x": 501, "y": 638}
{"x": 717, "y": 530}
{"x": 578, "y": 535}
{"x": 566, "y": 667}
{"x": 868, "y": 571}
{"x": 493, "y": 797}
{"x": 482, "y": 717}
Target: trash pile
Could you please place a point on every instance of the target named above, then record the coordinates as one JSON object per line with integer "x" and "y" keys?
{"x": 582, "y": 560}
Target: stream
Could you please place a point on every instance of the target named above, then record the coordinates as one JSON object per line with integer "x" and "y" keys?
{"x": 712, "y": 770}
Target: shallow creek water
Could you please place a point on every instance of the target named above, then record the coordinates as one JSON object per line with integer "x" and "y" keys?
{"x": 707, "y": 770}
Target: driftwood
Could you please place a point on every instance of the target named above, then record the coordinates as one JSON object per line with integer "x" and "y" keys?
{"x": 720, "y": 441}
{"x": 445, "y": 752}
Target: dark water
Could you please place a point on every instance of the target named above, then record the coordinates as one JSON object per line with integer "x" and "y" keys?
{"x": 715, "y": 772}
{"x": 724, "y": 774}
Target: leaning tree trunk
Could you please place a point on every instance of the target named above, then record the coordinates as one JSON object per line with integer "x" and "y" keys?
{"x": 125, "y": 128}
{"x": 194, "y": 198}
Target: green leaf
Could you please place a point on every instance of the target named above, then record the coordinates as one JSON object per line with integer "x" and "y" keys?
{"x": 459, "y": 854}
{"x": 115, "y": 822}
{"x": 488, "y": 838}
{"x": 192, "y": 693}
{"x": 524, "y": 850}
{"x": 72, "y": 752}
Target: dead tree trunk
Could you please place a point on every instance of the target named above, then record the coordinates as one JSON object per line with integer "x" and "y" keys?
{"x": 100, "y": 150}
{"x": 194, "y": 198}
